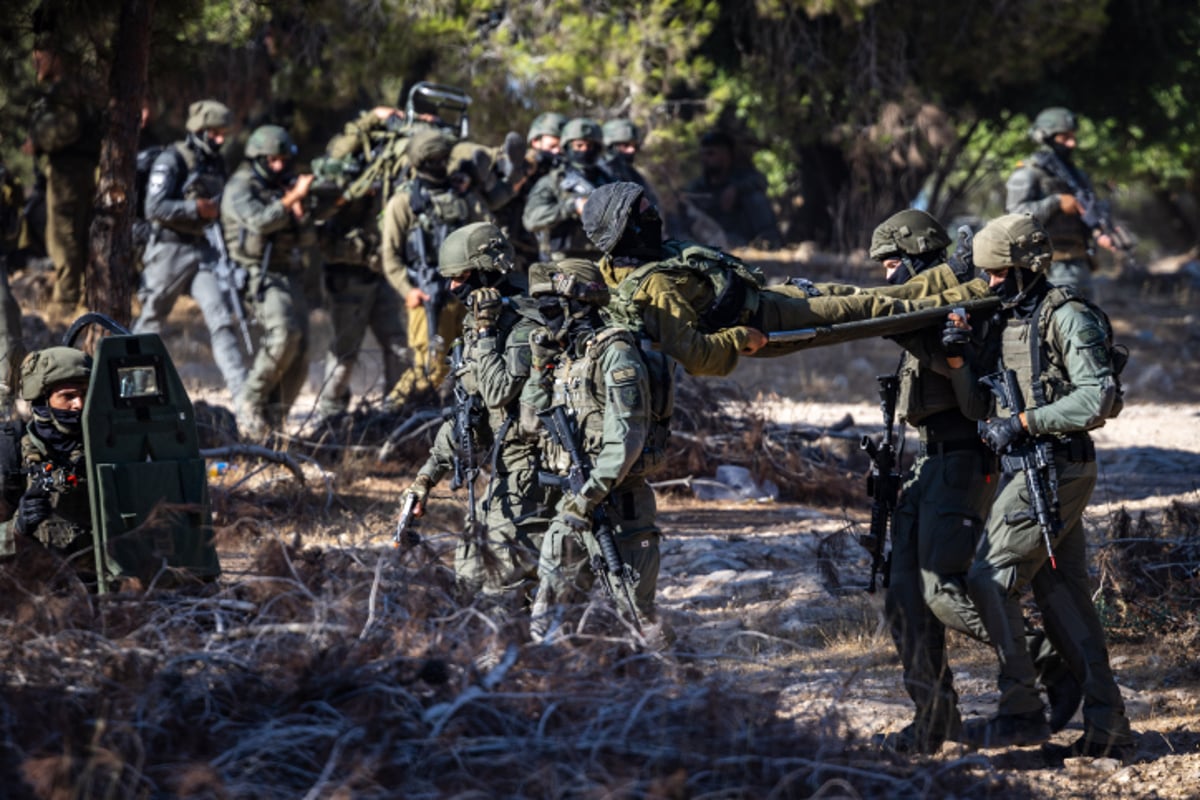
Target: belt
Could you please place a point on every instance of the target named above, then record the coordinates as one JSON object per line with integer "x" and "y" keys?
{"x": 1076, "y": 447}
{"x": 951, "y": 446}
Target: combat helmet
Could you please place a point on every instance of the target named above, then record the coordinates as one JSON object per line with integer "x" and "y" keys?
{"x": 607, "y": 212}
{"x": 571, "y": 278}
{"x": 909, "y": 231}
{"x": 429, "y": 145}
{"x": 1019, "y": 243}
{"x": 43, "y": 370}
{"x": 204, "y": 115}
{"x": 270, "y": 140}
{"x": 582, "y": 128}
{"x": 1051, "y": 121}
{"x": 616, "y": 131}
{"x": 480, "y": 246}
{"x": 548, "y": 123}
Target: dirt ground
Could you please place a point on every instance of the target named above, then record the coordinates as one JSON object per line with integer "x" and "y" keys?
{"x": 770, "y": 595}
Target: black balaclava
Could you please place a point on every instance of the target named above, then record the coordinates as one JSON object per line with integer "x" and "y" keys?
{"x": 912, "y": 266}
{"x": 60, "y": 431}
{"x": 642, "y": 237}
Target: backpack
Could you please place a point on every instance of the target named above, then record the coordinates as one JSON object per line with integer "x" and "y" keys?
{"x": 1118, "y": 354}
{"x": 145, "y": 162}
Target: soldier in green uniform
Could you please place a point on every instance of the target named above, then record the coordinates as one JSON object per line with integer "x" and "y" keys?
{"x": 182, "y": 200}
{"x": 54, "y": 507}
{"x": 360, "y": 297}
{"x": 12, "y": 344}
{"x": 478, "y": 262}
{"x": 543, "y": 154}
{"x": 596, "y": 373}
{"x": 622, "y": 141}
{"x": 706, "y": 308}
{"x": 942, "y": 506}
{"x": 417, "y": 219}
{"x": 554, "y": 210}
{"x": 263, "y": 219}
{"x": 64, "y": 129}
{"x": 1057, "y": 346}
{"x": 1042, "y": 188}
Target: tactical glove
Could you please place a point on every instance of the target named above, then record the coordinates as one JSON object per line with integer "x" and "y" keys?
{"x": 955, "y": 339}
{"x": 544, "y": 348}
{"x": 963, "y": 260}
{"x": 575, "y": 513}
{"x": 33, "y": 510}
{"x": 486, "y": 304}
{"x": 1001, "y": 433}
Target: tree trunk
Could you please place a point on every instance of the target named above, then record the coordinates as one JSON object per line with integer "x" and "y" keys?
{"x": 110, "y": 275}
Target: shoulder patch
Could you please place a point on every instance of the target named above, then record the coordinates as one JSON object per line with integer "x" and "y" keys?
{"x": 625, "y": 375}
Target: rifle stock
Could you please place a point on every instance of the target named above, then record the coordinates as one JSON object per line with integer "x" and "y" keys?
{"x": 226, "y": 273}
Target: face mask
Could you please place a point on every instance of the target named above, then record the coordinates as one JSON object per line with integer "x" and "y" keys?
{"x": 462, "y": 291}
{"x": 583, "y": 158}
{"x": 642, "y": 237}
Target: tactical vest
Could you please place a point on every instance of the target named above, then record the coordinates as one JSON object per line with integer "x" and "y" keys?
{"x": 351, "y": 235}
{"x": 1068, "y": 235}
{"x": 194, "y": 177}
{"x": 733, "y": 283}
{"x": 923, "y": 394}
{"x": 1040, "y": 373}
{"x": 249, "y": 247}
{"x": 439, "y": 210}
{"x": 68, "y": 490}
{"x": 579, "y": 385}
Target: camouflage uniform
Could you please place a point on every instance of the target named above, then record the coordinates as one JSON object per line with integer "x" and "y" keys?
{"x": 551, "y": 213}
{"x": 429, "y": 207}
{"x": 263, "y": 236}
{"x": 1034, "y": 189}
{"x": 602, "y": 380}
{"x": 65, "y": 131}
{"x": 178, "y": 258}
{"x": 1076, "y": 392}
{"x": 699, "y": 304}
{"x": 360, "y": 298}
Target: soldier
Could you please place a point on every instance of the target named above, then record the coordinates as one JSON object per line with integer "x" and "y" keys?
{"x": 64, "y": 129}
{"x": 12, "y": 344}
{"x": 361, "y": 298}
{"x": 1057, "y": 347}
{"x": 543, "y": 155}
{"x": 1043, "y": 189}
{"x": 940, "y": 512}
{"x": 183, "y": 196}
{"x": 54, "y": 507}
{"x": 704, "y": 307}
{"x": 262, "y": 217}
{"x": 595, "y": 372}
{"x": 734, "y": 197}
{"x": 478, "y": 262}
{"x": 555, "y": 208}
{"x": 417, "y": 219}
{"x": 622, "y": 142}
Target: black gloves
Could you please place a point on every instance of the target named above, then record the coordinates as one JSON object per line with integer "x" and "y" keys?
{"x": 33, "y": 510}
{"x": 1001, "y": 433}
{"x": 955, "y": 339}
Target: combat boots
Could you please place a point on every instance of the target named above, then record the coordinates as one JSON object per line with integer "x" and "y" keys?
{"x": 922, "y": 736}
{"x": 1008, "y": 730}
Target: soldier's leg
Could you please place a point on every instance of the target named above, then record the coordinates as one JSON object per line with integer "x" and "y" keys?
{"x": 1009, "y": 554}
{"x": 225, "y": 336}
{"x": 632, "y": 512}
{"x": 280, "y": 344}
{"x": 449, "y": 328}
{"x": 1072, "y": 624}
{"x": 12, "y": 345}
{"x": 414, "y": 381}
{"x": 387, "y": 323}
{"x": 516, "y": 522}
{"x": 69, "y": 198}
{"x": 169, "y": 270}
{"x": 295, "y": 374}
{"x": 349, "y": 300}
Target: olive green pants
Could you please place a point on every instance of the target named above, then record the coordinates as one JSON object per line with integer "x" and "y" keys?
{"x": 70, "y": 196}
{"x": 429, "y": 368}
{"x": 1011, "y": 556}
{"x": 280, "y": 368}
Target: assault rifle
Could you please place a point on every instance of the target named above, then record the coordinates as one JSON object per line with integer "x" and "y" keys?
{"x": 422, "y": 271}
{"x": 465, "y": 468}
{"x": 883, "y": 482}
{"x": 231, "y": 279}
{"x": 404, "y": 534}
{"x": 607, "y": 563}
{"x": 1095, "y": 213}
{"x": 575, "y": 182}
{"x": 1035, "y": 460}
{"x": 51, "y": 480}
